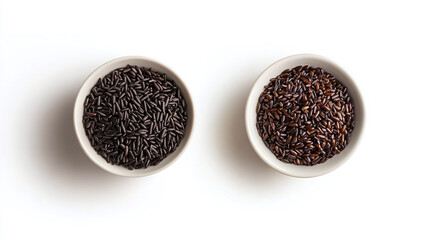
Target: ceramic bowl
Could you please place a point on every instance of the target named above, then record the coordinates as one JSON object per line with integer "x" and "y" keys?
{"x": 85, "y": 90}
{"x": 250, "y": 115}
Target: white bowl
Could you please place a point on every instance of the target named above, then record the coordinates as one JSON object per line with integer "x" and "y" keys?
{"x": 250, "y": 116}
{"x": 85, "y": 90}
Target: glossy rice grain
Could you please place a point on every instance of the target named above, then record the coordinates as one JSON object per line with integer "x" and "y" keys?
{"x": 135, "y": 117}
{"x": 305, "y": 116}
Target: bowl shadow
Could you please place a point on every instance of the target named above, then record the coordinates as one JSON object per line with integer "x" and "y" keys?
{"x": 243, "y": 162}
{"x": 68, "y": 172}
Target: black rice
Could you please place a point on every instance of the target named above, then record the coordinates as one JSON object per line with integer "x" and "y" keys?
{"x": 305, "y": 116}
{"x": 135, "y": 117}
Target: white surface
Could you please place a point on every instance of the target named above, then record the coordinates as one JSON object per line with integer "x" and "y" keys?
{"x": 252, "y": 102}
{"x": 219, "y": 188}
{"x": 89, "y": 83}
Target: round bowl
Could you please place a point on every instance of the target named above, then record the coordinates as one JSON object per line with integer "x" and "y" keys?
{"x": 85, "y": 90}
{"x": 250, "y": 115}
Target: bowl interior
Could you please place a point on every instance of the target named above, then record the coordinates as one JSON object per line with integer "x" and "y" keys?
{"x": 250, "y": 118}
{"x": 85, "y": 90}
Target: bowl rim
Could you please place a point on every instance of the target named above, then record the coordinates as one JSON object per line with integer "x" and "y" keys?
{"x": 108, "y": 167}
{"x": 249, "y": 126}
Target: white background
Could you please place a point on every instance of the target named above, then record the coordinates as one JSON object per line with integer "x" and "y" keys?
{"x": 219, "y": 188}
